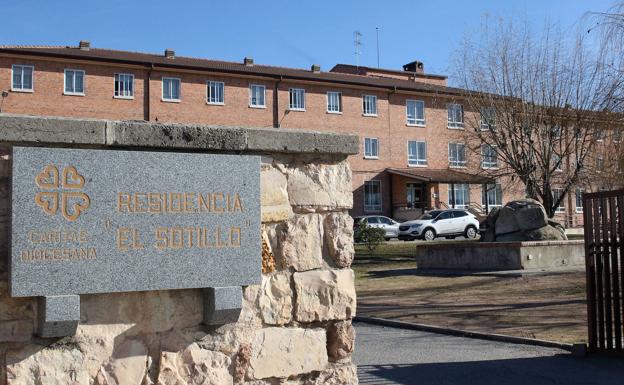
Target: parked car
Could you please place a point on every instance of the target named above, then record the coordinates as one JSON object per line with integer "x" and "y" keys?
{"x": 388, "y": 224}
{"x": 440, "y": 223}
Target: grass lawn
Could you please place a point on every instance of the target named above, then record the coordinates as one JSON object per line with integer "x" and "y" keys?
{"x": 550, "y": 306}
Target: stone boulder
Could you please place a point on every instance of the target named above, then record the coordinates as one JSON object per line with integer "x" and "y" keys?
{"x": 519, "y": 221}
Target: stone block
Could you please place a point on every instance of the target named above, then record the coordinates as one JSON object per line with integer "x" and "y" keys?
{"x": 58, "y": 316}
{"x": 128, "y": 365}
{"x": 194, "y": 366}
{"x": 324, "y": 185}
{"x": 65, "y": 365}
{"x": 276, "y": 298}
{"x": 338, "y": 230}
{"x": 300, "y": 243}
{"x": 275, "y": 206}
{"x": 340, "y": 340}
{"x": 222, "y": 305}
{"x": 323, "y": 295}
{"x": 20, "y": 330}
{"x": 285, "y": 352}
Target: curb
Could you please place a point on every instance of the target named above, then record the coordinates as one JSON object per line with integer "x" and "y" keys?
{"x": 575, "y": 349}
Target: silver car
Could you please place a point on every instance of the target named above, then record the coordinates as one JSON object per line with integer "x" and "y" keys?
{"x": 388, "y": 224}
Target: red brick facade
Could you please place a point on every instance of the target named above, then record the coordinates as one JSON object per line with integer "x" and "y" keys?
{"x": 389, "y": 126}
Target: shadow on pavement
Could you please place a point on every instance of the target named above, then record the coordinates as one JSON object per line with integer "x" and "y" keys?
{"x": 551, "y": 370}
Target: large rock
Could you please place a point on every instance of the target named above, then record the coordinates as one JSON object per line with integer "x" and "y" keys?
{"x": 128, "y": 366}
{"x": 194, "y": 366}
{"x": 63, "y": 365}
{"x": 285, "y": 352}
{"x": 275, "y": 205}
{"x": 338, "y": 229}
{"x": 323, "y": 295}
{"x": 276, "y": 298}
{"x": 521, "y": 215}
{"x": 325, "y": 185}
{"x": 546, "y": 233}
{"x": 300, "y": 243}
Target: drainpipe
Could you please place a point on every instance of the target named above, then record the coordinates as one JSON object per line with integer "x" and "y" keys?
{"x": 276, "y": 122}
{"x": 390, "y": 155}
{"x": 146, "y": 97}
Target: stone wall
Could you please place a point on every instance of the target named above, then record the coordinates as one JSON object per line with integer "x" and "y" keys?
{"x": 294, "y": 328}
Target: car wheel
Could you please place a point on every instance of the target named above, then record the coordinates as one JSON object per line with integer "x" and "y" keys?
{"x": 471, "y": 232}
{"x": 386, "y": 239}
{"x": 429, "y": 235}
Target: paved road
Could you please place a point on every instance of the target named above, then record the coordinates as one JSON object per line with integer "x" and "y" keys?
{"x": 388, "y": 356}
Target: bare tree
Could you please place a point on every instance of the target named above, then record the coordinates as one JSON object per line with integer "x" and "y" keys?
{"x": 537, "y": 104}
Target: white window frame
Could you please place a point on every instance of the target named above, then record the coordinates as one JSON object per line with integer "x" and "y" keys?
{"x": 209, "y": 84}
{"x": 577, "y": 208}
{"x": 251, "y": 95}
{"x": 371, "y": 155}
{"x": 366, "y": 104}
{"x": 416, "y": 121}
{"x": 84, "y": 82}
{"x": 115, "y": 77}
{"x": 373, "y": 208}
{"x": 485, "y": 194}
{"x": 457, "y": 163}
{"x": 418, "y": 162}
{"x": 171, "y": 100}
{"x": 488, "y": 165}
{"x": 302, "y": 104}
{"x": 556, "y": 193}
{"x": 32, "y": 78}
{"x": 454, "y": 124}
{"x": 466, "y": 194}
{"x": 339, "y": 96}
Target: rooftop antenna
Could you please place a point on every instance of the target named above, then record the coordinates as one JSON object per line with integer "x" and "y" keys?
{"x": 377, "y": 33}
{"x": 357, "y": 42}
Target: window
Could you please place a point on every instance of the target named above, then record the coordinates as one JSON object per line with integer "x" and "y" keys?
{"x": 455, "y": 116}
{"x": 74, "y": 82}
{"x": 617, "y": 135}
{"x": 492, "y": 194}
{"x": 556, "y": 132}
{"x": 490, "y": 156}
{"x": 369, "y": 105}
{"x": 461, "y": 195}
{"x": 214, "y": 92}
{"x": 124, "y": 86}
{"x": 256, "y": 96}
{"x": 22, "y": 78}
{"x": 416, "y": 153}
{"x": 599, "y": 134}
{"x": 370, "y": 220}
{"x": 415, "y": 110}
{"x": 371, "y": 148}
{"x": 488, "y": 119}
{"x": 171, "y": 89}
{"x": 457, "y": 154}
{"x": 600, "y": 164}
{"x": 556, "y": 194}
{"x": 297, "y": 99}
{"x": 334, "y": 102}
{"x": 372, "y": 195}
{"x": 579, "y": 200}
{"x": 556, "y": 162}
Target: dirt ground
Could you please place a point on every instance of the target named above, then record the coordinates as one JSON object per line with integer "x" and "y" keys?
{"x": 546, "y": 306}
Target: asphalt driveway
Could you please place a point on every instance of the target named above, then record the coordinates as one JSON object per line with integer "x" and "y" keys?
{"x": 388, "y": 356}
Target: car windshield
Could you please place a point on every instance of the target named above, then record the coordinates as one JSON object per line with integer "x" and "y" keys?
{"x": 430, "y": 214}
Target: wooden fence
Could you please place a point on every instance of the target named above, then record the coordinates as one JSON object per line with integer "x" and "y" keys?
{"x": 603, "y": 215}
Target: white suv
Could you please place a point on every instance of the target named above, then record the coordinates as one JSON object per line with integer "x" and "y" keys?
{"x": 440, "y": 223}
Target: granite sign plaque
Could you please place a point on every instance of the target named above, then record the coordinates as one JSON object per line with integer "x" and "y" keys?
{"x": 100, "y": 221}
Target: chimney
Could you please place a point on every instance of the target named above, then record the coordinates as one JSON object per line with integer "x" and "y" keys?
{"x": 84, "y": 45}
{"x": 248, "y": 61}
{"x": 415, "y": 66}
{"x": 169, "y": 53}
{"x": 315, "y": 68}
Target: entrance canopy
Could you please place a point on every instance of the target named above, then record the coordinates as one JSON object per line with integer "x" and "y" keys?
{"x": 440, "y": 175}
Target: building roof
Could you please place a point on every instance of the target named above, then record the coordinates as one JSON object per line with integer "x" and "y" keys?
{"x": 179, "y": 62}
{"x": 440, "y": 175}
{"x": 363, "y": 70}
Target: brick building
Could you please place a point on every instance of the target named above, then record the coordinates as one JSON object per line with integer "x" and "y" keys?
{"x": 411, "y": 124}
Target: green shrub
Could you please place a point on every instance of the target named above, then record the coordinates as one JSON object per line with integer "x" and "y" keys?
{"x": 370, "y": 236}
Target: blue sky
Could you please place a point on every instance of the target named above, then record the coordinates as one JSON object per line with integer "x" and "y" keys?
{"x": 284, "y": 33}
